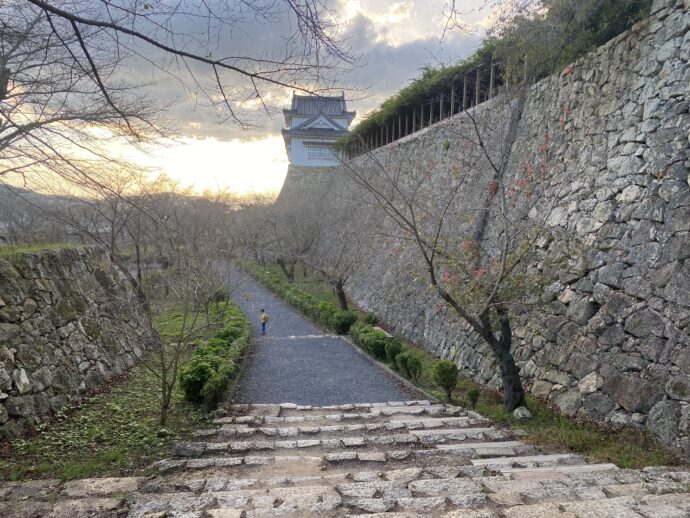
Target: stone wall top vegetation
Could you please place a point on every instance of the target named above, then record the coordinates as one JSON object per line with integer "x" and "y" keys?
{"x": 608, "y": 140}
{"x": 65, "y": 315}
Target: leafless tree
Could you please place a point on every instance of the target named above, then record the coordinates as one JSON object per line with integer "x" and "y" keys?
{"x": 474, "y": 222}
{"x": 292, "y": 230}
{"x": 339, "y": 248}
{"x": 67, "y": 103}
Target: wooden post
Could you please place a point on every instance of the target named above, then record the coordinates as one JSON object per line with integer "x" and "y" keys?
{"x": 414, "y": 120}
{"x": 492, "y": 79}
{"x": 464, "y": 93}
{"x": 477, "y": 87}
{"x": 452, "y": 98}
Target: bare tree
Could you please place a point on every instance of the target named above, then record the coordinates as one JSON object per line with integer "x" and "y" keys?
{"x": 466, "y": 218}
{"x": 339, "y": 249}
{"x": 67, "y": 103}
{"x": 292, "y": 230}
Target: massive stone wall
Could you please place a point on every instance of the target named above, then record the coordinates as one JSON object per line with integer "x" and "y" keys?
{"x": 64, "y": 317}
{"x": 612, "y": 339}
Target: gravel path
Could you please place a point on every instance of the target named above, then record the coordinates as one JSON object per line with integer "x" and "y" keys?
{"x": 297, "y": 362}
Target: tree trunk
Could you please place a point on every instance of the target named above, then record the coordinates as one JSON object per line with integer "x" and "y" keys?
{"x": 288, "y": 270}
{"x": 305, "y": 271}
{"x": 342, "y": 300}
{"x": 513, "y": 393}
{"x": 137, "y": 249}
{"x": 165, "y": 402}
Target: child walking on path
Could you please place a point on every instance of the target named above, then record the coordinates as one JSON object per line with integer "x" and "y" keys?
{"x": 263, "y": 317}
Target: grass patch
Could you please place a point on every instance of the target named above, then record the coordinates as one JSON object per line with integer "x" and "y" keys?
{"x": 9, "y": 250}
{"x": 113, "y": 434}
{"x": 625, "y": 447}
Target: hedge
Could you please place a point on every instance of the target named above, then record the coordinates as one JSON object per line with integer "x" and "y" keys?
{"x": 325, "y": 313}
{"x": 215, "y": 363}
{"x": 370, "y": 339}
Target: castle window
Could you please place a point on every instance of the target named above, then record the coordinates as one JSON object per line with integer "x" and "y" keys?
{"x": 319, "y": 152}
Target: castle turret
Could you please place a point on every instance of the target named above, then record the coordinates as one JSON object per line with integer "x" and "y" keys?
{"x": 313, "y": 125}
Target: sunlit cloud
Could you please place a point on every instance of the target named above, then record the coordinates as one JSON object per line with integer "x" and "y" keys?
{"x": 242, "y": 167}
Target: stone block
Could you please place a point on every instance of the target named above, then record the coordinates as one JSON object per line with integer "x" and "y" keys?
{"x": 678, "y": 387}
{"x": 645, "y": 322}
{"x": 632, "y": 392}
{"x": 663, "y": 420}
{"x": 569, "y": 402}
{"x": 22, "y": 406}
{"x": 190, "y": 449}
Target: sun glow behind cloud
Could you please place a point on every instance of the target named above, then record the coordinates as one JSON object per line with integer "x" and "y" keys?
{"x": 243, "y": 167}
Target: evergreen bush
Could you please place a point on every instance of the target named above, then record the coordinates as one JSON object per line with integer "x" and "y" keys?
{"x": 373, "y": 341}
{"x": 393, "y": 349}
{"x": 214, "y": 363}
{"x": 445, "y": 375}
{"x": 401, "y": 361}
{"x": 371, "y": 319}
{"x": 342, "y": 320}
{"x": 414, "y": 367}
{"x": 473, "y": 397}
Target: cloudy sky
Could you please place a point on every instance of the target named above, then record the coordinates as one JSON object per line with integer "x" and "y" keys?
{"x": 393, "y": 40}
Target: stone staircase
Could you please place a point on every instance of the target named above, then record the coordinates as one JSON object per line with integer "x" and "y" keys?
{"x": 395, "y": 460}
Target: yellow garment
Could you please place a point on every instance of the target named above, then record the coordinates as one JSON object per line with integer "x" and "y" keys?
{"x": 264, "y": 317}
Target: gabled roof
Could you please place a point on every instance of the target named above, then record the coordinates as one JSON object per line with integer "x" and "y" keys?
{"x": 313, "y": 104}
{"x": 307, "y": 123}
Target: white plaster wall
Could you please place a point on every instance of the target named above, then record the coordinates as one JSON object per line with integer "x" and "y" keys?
{"x": 298, "y": 156}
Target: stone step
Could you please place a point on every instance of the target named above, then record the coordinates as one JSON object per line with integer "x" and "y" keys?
{"x": 395, "y": 460}
{"x": 529, "y": 460}
{"x": 263, "y": 416}
{"x": 407, "y": 492}
{"x": 438, "y": 438}
{"x": 548, "y": 470}
{"x": 264, "y": 409}
{"x": 460, "y": 454}
{"x": 420, "y": 428}
{"x": 643, "y": 506}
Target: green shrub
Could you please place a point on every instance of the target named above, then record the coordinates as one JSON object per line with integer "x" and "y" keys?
{"x": 193, "y": 377}
{"x": 215, "y": 387}
{"x": 445, "y": 375}
{"x": 414, "y": 366}
{"x": 473, "y": 396}
{"x": 401, "y": 361}
{"x": 393, "y": 349}
{"x": 371, "y": 319}
{"x": 220, "y": 295}
{"x": 371, "y": 340}
{"x": 341, "y": 321}
{"x": 230, "y": 332}
{"x": 214, "y": 363}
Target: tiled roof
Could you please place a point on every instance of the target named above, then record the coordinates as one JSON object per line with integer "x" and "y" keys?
{"x": 311, "y": 105}
{"x": 315, "y": 132}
